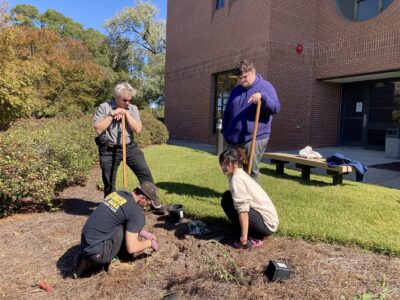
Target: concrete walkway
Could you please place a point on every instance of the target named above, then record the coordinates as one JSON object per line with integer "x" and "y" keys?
{"x": 367, "y": 157}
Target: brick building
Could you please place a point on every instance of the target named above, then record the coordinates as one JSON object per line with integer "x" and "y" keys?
{"x": 334, "y": 63}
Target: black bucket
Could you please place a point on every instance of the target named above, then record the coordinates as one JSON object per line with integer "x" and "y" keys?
{"x": 175, "y": 213}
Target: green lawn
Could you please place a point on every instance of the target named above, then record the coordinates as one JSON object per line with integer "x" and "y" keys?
{"x": 348, "y": 214}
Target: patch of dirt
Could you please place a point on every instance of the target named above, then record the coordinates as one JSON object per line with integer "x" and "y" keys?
{"x": 43, "y": 246}
{"x": 393, "y": 166}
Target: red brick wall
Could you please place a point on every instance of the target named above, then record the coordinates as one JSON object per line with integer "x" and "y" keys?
{"x": 346, "y": 48}
{"x": 202, "y": 41}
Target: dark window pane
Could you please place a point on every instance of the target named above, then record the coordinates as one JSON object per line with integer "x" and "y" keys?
{"x": 381, "y": 102}
{"x": 383, "y": 88}
{"x": 352, "y": 130}
{"x": 352, "y": 107}
{"x": 367, "y": 9}
{"x": 376, "y": 137}
{"x": 224, "y": 83}
{"x": 219, "y": 4}
{"x": 384, "y": 116}
{"x": 346, "y": 8}
{"x": 386, "y": 3}
{"x": 396, "y": 115}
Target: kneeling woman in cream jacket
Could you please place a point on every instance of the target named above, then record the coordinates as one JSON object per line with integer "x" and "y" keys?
{"x": 246, "y": 204}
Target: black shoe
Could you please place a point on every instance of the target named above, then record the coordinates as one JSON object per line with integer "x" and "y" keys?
{"x": 82, "y": 265}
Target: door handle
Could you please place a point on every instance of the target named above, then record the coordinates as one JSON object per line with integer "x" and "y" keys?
{"x": 365, "y": 120}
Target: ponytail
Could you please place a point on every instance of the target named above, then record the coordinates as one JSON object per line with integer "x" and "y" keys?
{"x": 234, "y": 155}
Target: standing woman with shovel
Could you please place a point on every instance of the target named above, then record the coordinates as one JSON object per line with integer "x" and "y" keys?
{"x": 111, "y": 120}
{"x": 240, "y": 114}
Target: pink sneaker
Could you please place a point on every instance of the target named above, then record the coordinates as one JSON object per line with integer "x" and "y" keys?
{"x": 251, "y": 243}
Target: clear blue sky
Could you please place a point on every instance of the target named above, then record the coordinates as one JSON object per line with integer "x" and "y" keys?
{"x": 90, "y": 13}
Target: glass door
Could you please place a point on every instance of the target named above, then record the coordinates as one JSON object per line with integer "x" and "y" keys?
{"x": 369, "y": 109}
{"x": 354, "y": 116}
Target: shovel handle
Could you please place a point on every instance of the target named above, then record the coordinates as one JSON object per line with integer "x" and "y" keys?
{"x": 123, "y": 152}
{"x": 253, "y": 142}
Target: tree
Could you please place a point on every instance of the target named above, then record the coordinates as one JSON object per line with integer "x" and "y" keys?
{"x": 98, "y": 43}
{"x": 147, "y": 47}
{"x": 17, "y": 93}
{"x": 65, "y": 26}
{"x": 25, "y": 15}
{"x": 71, "y": 81}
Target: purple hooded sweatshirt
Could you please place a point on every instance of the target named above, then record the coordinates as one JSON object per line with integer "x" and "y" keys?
{"x": 239, "y": 115}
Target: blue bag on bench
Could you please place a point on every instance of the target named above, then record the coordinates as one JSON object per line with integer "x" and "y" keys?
{"x": 339, "y": 159}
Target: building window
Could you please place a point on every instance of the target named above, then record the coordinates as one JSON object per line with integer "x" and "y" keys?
{"x": 385, "y": 103}
{"x": 384, "y": 110}
{"x": 223, "y": 85}
{"x": 219, "y": 4}
{"x": 361, "y": 10}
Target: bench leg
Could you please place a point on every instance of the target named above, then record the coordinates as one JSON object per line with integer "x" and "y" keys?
{"x": 280, "y": 166}
{"x": 337, "y": 179}
{"x": 305, "y": 171}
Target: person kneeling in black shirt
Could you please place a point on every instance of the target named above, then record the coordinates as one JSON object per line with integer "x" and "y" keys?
{"x": 115, "y": 226}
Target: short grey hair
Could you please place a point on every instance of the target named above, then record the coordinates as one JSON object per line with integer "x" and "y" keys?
{"x": 123, "y": 87}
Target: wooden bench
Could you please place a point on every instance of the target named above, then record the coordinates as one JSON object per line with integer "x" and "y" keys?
{"x": 305, "y": 164}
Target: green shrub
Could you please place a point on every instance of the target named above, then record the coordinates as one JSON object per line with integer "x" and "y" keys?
{"x": 25, "y": 178}
{"x": 41, "y": 156}
{"x": 153, "y": 131}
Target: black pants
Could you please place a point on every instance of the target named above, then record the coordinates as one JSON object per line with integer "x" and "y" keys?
{"x": 257, "y": 227}
{"x": 110, "y": 159}
{"x": 107, "y": 250}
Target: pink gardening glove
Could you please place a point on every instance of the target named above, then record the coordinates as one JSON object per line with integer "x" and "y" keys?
{"x": 147, "y": 235}
{"x": 154, "y": 245}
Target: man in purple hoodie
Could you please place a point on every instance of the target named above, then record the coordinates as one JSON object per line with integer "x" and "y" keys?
{"x": 240, "y": 112}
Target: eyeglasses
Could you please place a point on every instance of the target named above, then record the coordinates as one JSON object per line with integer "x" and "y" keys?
{"x": 126, "y": 100}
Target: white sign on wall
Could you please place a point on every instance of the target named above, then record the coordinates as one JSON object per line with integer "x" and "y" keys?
{"x": 359, "y": 106}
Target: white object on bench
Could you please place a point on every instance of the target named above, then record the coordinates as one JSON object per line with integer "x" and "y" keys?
{"x": 279, "y": 159}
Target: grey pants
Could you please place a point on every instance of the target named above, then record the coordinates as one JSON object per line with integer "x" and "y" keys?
{"x": 260, "y": 147}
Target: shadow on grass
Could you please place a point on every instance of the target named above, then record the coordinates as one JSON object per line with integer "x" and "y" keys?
{"x": 188, "y": 189}
{"x": 78, "y": 207}
{"x": 311, "y": 182}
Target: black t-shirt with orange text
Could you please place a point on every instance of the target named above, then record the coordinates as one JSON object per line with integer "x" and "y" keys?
{"x": 116, "y": 210}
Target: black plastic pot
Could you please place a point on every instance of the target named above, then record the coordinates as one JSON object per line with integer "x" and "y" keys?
{"x": 175, "y": 213}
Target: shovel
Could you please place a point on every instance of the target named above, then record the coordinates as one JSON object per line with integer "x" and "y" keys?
{"x": 123, "y": 152}
{"x": 253, "y": 142}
